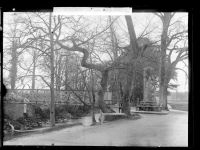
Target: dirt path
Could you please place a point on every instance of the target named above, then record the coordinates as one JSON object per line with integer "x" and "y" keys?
{"x": 150, "y": 130}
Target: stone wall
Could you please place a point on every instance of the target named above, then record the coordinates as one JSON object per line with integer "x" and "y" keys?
{"x": 15, "y": 111}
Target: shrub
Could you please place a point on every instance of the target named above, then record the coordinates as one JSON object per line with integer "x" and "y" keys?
{"x": 77, "y": 111}
{"x": 29, "y": 122}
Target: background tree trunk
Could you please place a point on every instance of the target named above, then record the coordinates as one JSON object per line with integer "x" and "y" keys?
{"x": 14, "y": 61}
{"x": 52, "y": 108}
{"x": 34, "y": 67}
{"x": 165, "y": 90}
{"x": 92, "y": 86}
{"x": 164, "y": 39}
{"x": 93, "y": 104}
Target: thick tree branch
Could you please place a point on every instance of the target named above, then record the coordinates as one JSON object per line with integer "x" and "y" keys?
{"x": 84, "y": 63}
{"x": 133, "y": 39}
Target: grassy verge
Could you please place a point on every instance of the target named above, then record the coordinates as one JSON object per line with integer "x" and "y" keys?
{"x": 179, "y": 106}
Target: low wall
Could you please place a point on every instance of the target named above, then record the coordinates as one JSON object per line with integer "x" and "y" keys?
{"x": 16, "y": 111}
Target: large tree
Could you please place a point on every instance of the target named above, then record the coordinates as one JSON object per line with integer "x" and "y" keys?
{"x": 128, "y": 63}
{"x": 43, "y": 27}
{"x": 166, "y": 40}
{"x": 14, "y": 45}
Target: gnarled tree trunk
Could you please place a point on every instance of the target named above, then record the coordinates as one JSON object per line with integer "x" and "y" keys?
{"x": 104, "y": 69}
{"x": 102, "y": 105}
{"x": 133, "y": 52}
{"x": 98, "y": 67}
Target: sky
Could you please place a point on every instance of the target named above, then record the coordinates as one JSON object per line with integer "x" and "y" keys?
{"x": 140, "y": 20}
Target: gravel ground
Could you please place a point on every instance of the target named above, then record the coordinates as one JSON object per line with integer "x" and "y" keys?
{"x": 150, "y": 130}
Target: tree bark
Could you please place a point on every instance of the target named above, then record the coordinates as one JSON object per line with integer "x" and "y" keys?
{"x": 92, "y": 87}
{"x": 113, "y": 40}
{"x": 93, "y": 103}
{"x": 52, "y": 108}
{"x": 34, "y": 67}
{"x": 13, "y": 70}
{"x": 164, "y": 37}
{"x": 58, "y": 78}
{"x": 102, "y": 105}
{"x": 66, "y": 74}
{"x": 58, "y": 72}
{"x": 133, "y": 52}
{"x": 127, "y": 91}
{"x": 165, "y": 107}
{"x": 133, "y": 40}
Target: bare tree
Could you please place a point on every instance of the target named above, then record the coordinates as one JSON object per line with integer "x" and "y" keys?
{"x": 129, "y": 61}
{"x": 166, "y": 40}
{"x": 99, "y": 67}
{"x": 104, "y": 68}
{"x": 16, "y": 36}
{"x": 47, "y": 28}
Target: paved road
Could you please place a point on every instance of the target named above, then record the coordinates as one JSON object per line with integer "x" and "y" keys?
{"x": 150, "y": 130}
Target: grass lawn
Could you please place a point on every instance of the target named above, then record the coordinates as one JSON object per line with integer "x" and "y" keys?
{"x": 179, "y": 106}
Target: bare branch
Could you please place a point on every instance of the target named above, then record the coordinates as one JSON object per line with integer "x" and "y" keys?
{"x": 175, "y": 36}
{"x": 93, "y": 36}
{"x": 172, "y": 14}
{"x": 98, "y": 67}
{"x": 37, "y": 14}
{"x": 183, "y": 71}
{"x": 43, "y": 52}
{"x": 185, "y": 63}
{"x": 159, "y": 15}
{"x": 77, "y": 95}
{"x": 133, "y": 40}
{"x": 42, "y": 77}
{"x": 180, "y": 57}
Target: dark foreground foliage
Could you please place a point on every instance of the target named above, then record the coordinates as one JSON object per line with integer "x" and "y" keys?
{"x": 41, "y": 116}
{"x": 118, "y": 117}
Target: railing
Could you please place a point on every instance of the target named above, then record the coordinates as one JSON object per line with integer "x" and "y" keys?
{"x": 41, "y": 102}
{"x": 148, "y": 106}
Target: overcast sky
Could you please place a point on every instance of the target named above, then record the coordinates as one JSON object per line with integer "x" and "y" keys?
{"x": 140, "y": 20}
